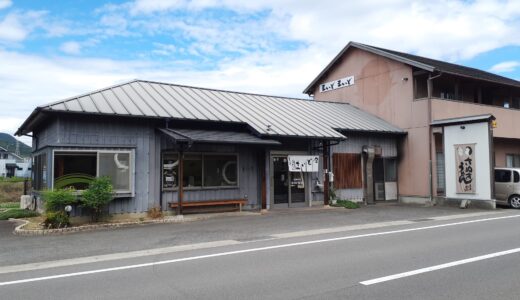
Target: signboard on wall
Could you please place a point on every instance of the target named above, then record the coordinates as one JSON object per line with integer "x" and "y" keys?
{"x": 468, "y": 161}
{"x": 303, "y": 163}
{"x": 337, "y": 84}
{"x": 465, "y": 166}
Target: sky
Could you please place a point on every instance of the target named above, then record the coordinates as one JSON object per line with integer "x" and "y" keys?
{"x": 52, "y": 50}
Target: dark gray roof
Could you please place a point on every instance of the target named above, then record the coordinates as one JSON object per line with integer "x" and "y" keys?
{"x": 266, "y": 115}
{"x": 463, "y": 120}
{"x": 420, "y": 62}
{"x": 215, "y": 136}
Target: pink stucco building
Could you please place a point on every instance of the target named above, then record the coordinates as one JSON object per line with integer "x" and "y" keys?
{"x": 411, "y": 92}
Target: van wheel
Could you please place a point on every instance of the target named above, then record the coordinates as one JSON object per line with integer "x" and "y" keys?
{"x": 514, "y": 201}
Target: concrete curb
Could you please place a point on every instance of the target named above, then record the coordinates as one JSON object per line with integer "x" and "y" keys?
{"x": 19, "y": 230}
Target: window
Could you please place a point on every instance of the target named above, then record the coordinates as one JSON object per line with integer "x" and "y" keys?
{"x": 220, "y": 170}
{"x": 75, "y": 169}
{"x": 192, "y": 175}
{"x": 516, "y": 176}
{"x": 390, "y": 170}
{"x": 170, "y": 177}
{"x": 117, "y": 167}
{"x": 502, "y": 176}
{"x": 513, "y": 160}
{"x": 200, "y": 170}
{"x": 39, "y": 173}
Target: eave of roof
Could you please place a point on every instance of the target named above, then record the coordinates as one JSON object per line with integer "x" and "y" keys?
{"x": 463, "y": 120}
{"x": 414, "y": 60}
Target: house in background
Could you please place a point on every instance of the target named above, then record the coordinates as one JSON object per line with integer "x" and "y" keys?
{"x": 417, "y": 94}
{"x": 13, "y": 165}
{"x": 172, "y": 146}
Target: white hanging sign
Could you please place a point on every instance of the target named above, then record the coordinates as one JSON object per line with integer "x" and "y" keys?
{"x": 336, "y": 84}
{"x": 303, "y": 163}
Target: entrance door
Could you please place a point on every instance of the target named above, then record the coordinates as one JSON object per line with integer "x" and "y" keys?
{"x": 288, "y": 187}
{"x": 379, "y": 179}
{"x": 280, "y": 180}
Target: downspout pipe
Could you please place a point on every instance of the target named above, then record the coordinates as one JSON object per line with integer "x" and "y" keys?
{"x": 430, "y": 134}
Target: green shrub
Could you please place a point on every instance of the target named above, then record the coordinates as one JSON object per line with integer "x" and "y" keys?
{"x": 56, "y": 200}
{"x": 97, "y": 196}
{"x": 58, "y": 219}
{"x": 347, "y": 204}
{"x": 10, "y": 205}
{"x": 13, "y": 179}
{"x": 18, "y": 214}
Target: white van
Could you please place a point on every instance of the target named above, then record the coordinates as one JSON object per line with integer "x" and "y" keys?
{"x": 507, "y": 186}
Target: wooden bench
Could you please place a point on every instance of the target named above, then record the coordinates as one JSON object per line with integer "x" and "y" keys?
{"x": 238, "y": 202}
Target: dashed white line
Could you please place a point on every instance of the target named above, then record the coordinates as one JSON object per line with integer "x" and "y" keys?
{"x": 439, "y": 267}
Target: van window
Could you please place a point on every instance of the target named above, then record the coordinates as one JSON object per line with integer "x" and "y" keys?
{"x": 503, "y": 176}
{"x": 516, "y": 176}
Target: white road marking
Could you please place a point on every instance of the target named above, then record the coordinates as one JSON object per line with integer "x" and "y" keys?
{"x": 113, "y": 256}
{"x": 247, "y": 251}
{"x": 340, "y": 229}
{"x": 439, "y": 267}
{"x": 476, "y": 214}
{"x": 173, "y": 249}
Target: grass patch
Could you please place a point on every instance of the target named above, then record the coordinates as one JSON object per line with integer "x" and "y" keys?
{"x": 18, "y": 214}
{"x": 10, "y": 191}
{"x": 346, "y": 204}
{"x": 10, "y": 205}
{"x": 12, "y": 179}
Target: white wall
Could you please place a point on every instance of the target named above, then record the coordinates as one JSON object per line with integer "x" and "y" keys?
{"x": 477, "y": 133}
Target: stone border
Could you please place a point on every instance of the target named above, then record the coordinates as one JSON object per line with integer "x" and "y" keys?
{"x": 19, "y": 230}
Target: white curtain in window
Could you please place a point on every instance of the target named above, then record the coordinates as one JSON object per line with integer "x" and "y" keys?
{"x": 117, "y": 167}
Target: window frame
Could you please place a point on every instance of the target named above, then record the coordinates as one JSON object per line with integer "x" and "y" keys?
{"x": 38, "y": 172}
{"x": 117, "y": 193}
{"x": 514, "y": 157}
{"x": 202, "y": 187}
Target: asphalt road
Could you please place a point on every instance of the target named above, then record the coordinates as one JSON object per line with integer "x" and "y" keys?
{"x": 24, "y": 249}
{"x": 443, "y": 259}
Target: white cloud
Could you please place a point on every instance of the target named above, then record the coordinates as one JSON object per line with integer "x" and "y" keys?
{"x": 447, "y": 29}
{"x": 504, "y": 67}
{"x": 16, "y": 26}
{"x": 5, "y": 3}
{"x": 11, "y": 29}
{"x": 451, "y": 30}
{"x": 28, "y": 81}
{"x": 149, "y": 6}
{"x": 71, "y": 47}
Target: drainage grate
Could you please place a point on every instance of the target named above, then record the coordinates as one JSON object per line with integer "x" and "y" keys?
{"x": 422, "y": 220}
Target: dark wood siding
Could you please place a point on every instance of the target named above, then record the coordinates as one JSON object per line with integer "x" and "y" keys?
{"x": 347, "y": 170}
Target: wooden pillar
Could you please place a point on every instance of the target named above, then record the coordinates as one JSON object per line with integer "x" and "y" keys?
{"x": 326, "y": 170}
{"x": 181, "y": 183}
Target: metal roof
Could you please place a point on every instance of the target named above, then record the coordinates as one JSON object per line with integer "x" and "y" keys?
{"x": 215, "y": 136}
{"x": 463, "y": 120}
{"x": 420, "y": 62}
{"x": 266, "y": 115}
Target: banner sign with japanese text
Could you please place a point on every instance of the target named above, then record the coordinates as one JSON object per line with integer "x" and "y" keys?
{"x": 303, "y": 163}
{"x": 465, "y": 167}
{"x": 336, "y": 84}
